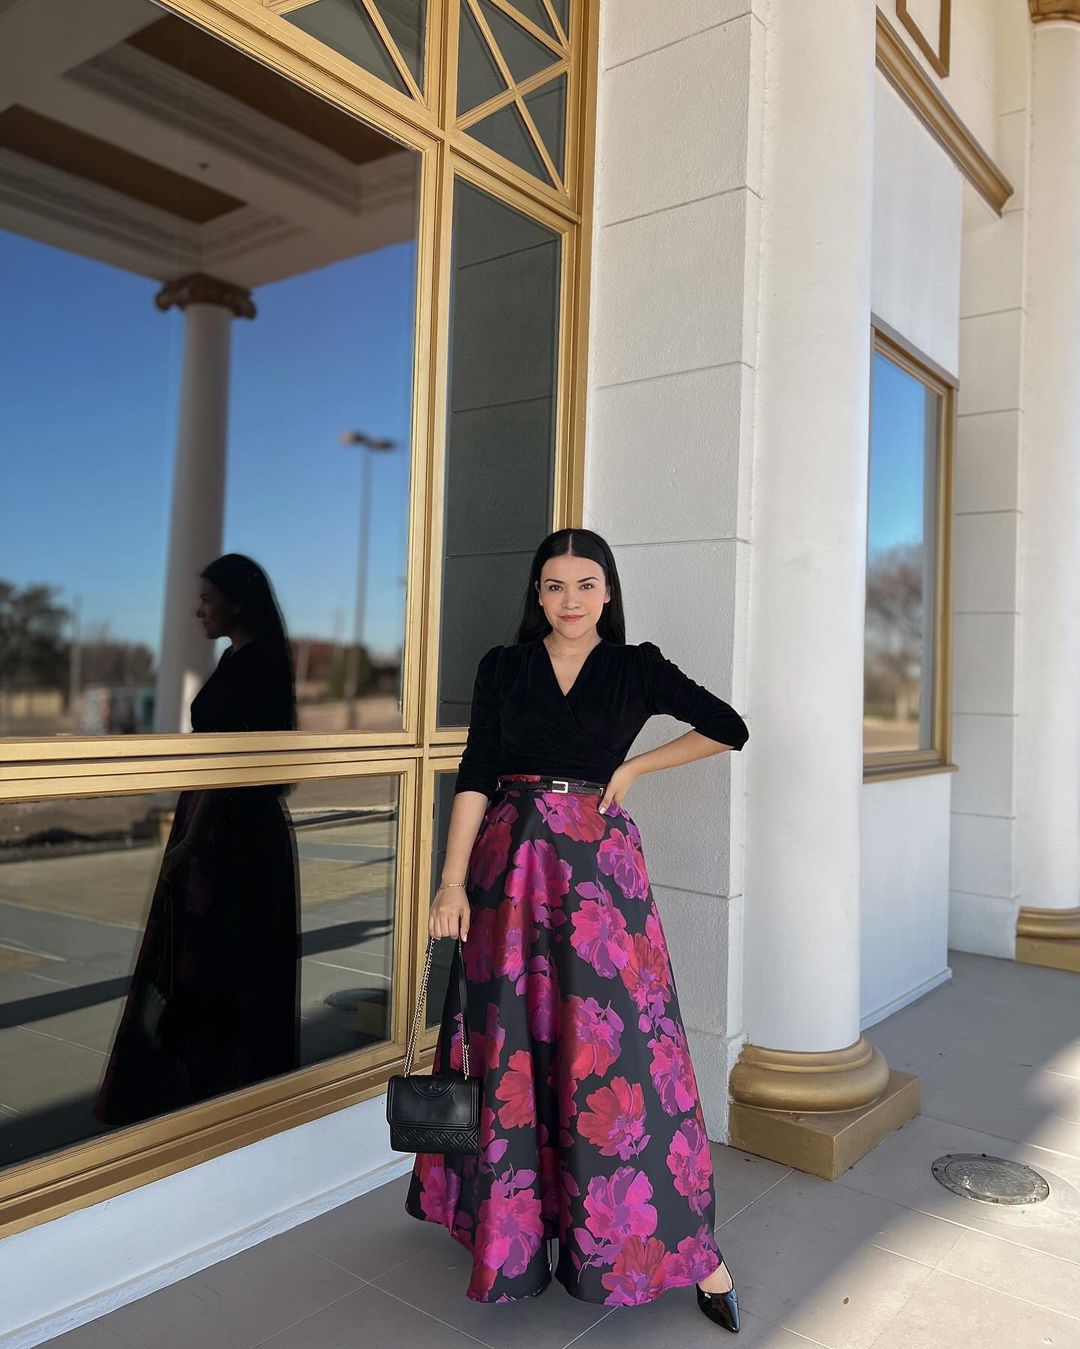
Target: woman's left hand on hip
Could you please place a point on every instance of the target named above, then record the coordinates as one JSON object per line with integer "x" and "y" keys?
{"x": 617, "y": 787}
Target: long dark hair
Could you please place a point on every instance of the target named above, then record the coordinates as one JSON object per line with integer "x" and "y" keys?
{"x": 241, "y": 580}
{"x": 573, "y": 542}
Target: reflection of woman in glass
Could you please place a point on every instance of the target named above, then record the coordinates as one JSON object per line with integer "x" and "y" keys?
{"x": 212, "y": 1004}
{"x": 591, "y": 1130}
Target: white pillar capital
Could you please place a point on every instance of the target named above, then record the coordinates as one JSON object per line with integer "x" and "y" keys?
{"x": 1047, "y": 11}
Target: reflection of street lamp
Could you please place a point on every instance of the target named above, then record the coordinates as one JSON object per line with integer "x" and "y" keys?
{"x": 352, "y": 676}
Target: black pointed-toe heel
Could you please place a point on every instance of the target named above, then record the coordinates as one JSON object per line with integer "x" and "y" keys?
{"x": 723, "y": 1308}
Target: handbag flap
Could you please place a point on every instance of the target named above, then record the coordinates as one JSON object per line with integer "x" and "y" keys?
{"x": 448, "y": 1101}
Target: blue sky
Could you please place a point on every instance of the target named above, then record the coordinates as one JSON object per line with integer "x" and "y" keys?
{"x": 89, "y": 387}
{"x": 897, "y": 449}
{"x": 88, "y": 406}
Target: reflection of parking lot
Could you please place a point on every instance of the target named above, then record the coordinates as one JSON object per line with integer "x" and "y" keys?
{"x": 70, "y": 927}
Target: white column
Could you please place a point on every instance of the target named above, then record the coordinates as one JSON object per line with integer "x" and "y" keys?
{"x": 809, "y": 535}
{"x": 1048, "y": 747}
{"x": 198, "y": 492}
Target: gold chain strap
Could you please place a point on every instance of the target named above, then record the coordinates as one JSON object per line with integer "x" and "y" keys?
{"x": 420, "y": 999}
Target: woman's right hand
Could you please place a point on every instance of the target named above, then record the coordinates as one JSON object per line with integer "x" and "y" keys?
{"x": 450, "y": 912}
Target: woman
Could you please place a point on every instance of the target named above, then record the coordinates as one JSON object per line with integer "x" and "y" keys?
{"x": 212, "y": 1003}
{"x": 592, "y": 1130}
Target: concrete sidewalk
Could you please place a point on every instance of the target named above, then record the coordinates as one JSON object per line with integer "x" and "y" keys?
{"x": 883, "y": 1257}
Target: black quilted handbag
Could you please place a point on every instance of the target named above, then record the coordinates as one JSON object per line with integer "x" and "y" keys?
{"x": 439, "y": 1112}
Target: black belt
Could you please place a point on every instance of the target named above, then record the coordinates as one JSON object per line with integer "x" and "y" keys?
{"x": 551, "y": 784}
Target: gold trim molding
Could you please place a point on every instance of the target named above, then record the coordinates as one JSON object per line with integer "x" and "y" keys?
{"x": 1049, "y": 937}
{"x": 938, "y": 57}
{"x": 790, "y": 1080}
{"x": 919, "y": 92}
{"x": 1042, "y": 11}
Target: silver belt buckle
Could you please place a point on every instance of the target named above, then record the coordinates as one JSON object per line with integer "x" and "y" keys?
{"x": 555, "y": 787}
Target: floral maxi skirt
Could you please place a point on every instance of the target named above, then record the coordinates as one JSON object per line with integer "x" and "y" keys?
{"x": 591, "y": 1125}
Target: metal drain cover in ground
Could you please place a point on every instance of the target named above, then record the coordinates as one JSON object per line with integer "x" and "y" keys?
{"x": 992, "y": 1180}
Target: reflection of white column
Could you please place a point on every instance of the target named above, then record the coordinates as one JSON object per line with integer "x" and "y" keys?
{"x": 1048, "y": 767}
{"x": 802, "y": 963}
{"x": 198, "y": 495}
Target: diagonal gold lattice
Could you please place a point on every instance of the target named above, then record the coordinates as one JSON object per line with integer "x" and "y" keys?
{"x": 556, "y": 24}
{"x": 515, "y": 91}
{"x": 371, "y": 8}
{"x": 558, "y": 45}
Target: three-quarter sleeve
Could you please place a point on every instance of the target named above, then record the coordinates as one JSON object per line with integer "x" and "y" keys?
{"x": 479, "y": 767}
{"x": 674, "y": 694}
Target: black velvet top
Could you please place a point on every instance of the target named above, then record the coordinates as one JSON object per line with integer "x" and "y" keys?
{"x": 521, "y": 722}
{"x": 248, "y": 690}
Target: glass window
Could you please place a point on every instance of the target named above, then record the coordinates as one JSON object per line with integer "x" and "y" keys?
{"x": 224, "y": 365}
{"x": 547, "y": 107}
{"x": 135, "y": 981}
{"x": 500, "y": 452}
{"x": 349, "y": 28}
{"x": 536, "y": 12}
{"x": 903, "y": 556}
{"x": 505, "y": 132}
{"x": 496, "y": 53}
{"x": 523, "y": 54}
{"x": 479, "y": 77}
{"x": 443, "y": 951}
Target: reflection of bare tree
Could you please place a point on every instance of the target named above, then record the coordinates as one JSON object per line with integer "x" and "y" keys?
{"x": 46, "y": 664}
{"x": 894, "y": 629}
{"x": 115, "y": 663}
{"x": 33, "y": 649}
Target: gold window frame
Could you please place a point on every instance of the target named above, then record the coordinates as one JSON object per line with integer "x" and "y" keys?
{"x": 885, "y": 765}
{"x": 33, "y": 769}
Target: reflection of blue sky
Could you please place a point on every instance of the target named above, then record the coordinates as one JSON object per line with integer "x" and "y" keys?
{"x": 88, "y": 406}
{"x": 897, "y": 456}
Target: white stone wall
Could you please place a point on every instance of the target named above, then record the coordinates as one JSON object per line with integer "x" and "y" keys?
{"x": 915, "y": 289}
{"x": 973, "y": 83}
{"x": 62, "y": 1274}
{"x": 905, "y": 892}
{"x": 669, "y": 438}
{"x": 918, "y": 209}
{"x": 984, "y": 896}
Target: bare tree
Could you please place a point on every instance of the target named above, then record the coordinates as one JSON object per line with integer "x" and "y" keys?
{"x": 33, "y": 649}
{"x": 894, "y": 626}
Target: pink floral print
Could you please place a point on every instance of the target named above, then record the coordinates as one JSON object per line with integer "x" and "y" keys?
{"x": 620, "y": 858}
{"x": 615, "y": 1119}
{"x": 600, "y": 935}
{"x": 690, "y": 1163}
{"x": 671, "y": 1069}
{"x": 591, "y": 1131}
{"x": 516, "y": 1089}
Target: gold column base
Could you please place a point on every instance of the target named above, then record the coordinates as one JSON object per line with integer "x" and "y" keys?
{"x": 819, "y": 1112}
{"x": 788, "y": 1079}
{"x": 824, "y": 1143}
{"x": 1049, "y": 937}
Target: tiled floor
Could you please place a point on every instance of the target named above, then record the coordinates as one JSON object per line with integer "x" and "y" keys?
{"x": 883, "y": 1257}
